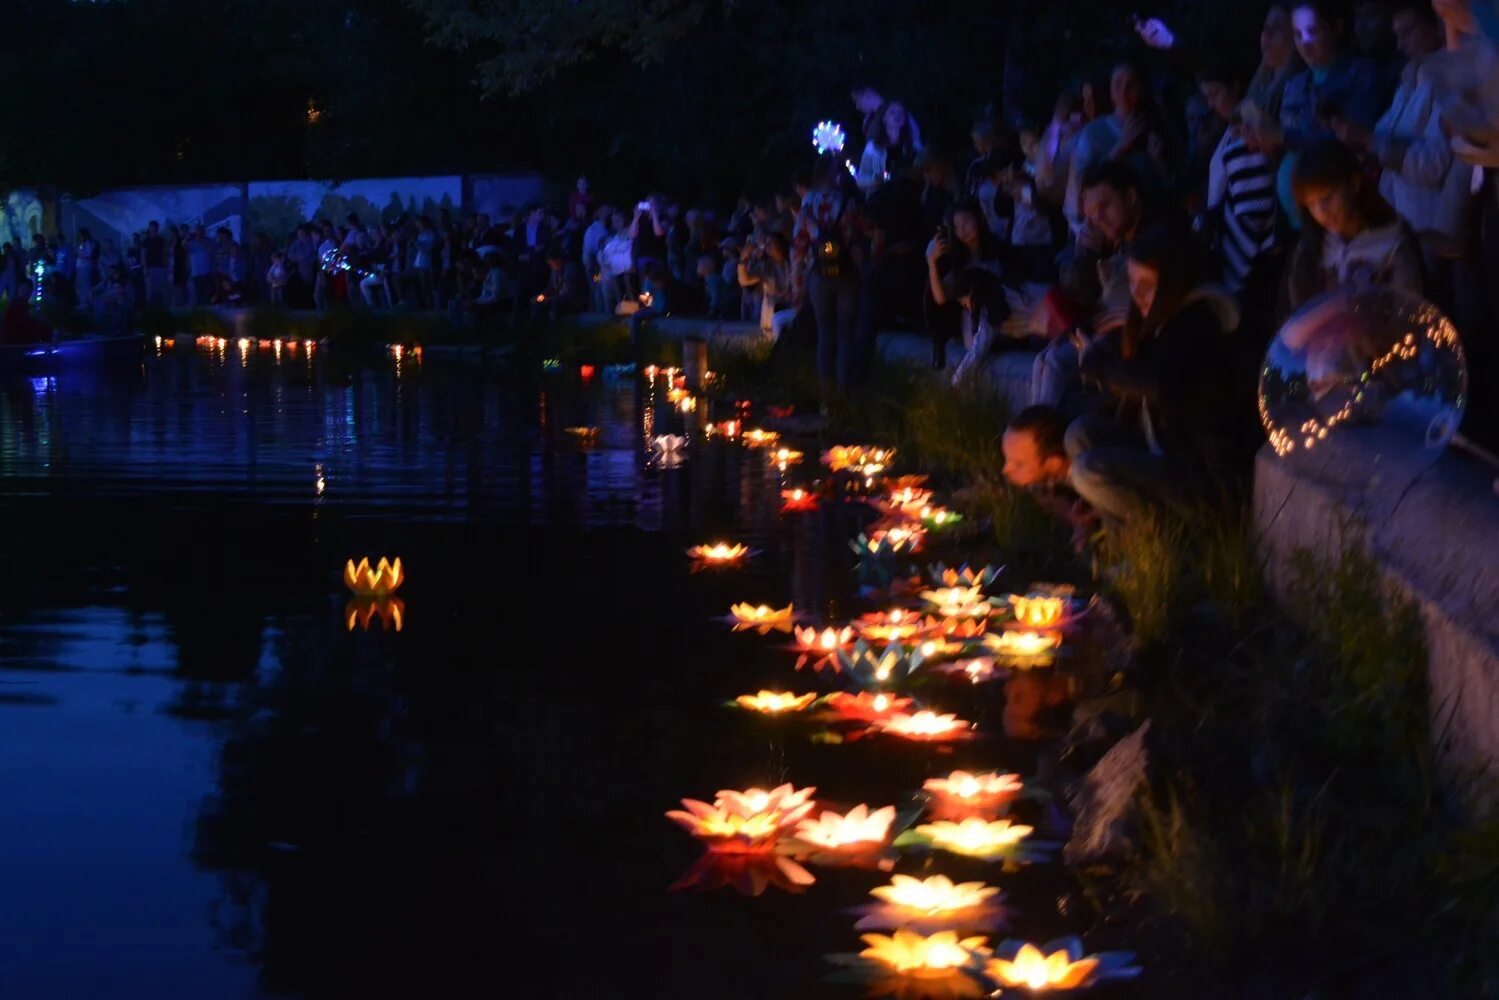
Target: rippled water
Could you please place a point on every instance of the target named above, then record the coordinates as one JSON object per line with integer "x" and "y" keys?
{"x": 210, "y": 786}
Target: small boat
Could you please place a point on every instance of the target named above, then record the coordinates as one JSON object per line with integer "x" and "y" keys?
{"x": 87, "y": 350}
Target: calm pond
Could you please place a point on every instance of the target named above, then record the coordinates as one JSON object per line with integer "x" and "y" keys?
{"x": 211, "y": 786}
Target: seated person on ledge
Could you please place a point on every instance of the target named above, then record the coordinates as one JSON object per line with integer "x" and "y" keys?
{"x": 1036, "y": 460}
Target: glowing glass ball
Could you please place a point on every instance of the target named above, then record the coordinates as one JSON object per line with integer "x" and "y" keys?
{"x": 1363, "y": 387}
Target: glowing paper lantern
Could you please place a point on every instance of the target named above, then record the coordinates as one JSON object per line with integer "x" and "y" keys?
{"x": 798, "y": 500}
{"x": 1056, "y": 965}
{"x": 959, "y": 602}
{"x": 934, "y": 903}
{"x": 909, "y": 498}
{"x": 871, "y": 667}
{"x": 744, "y": 822}
{"x": 907, "y": 952}
{"x": 383, "y": 579}
{"x": 867, "y": 706}
{"x": 938, "y": 518}
{"x": 926, "y": 727}
{"x": 760, "y": 616}
{"x": 887, "y": 542}
{"x": 975, "y": 837}
{"x": 757, "y": 438}
{"x": 1023, "y": 649}
{"x": 785, "y": 456}
{"x": 856, "y": 456}
{"x": 821, "y": 648}
{"x": 895, "y": 625}
{"x": 774, "y": 702}
{"x": 719, "y": 553}
{"x": 859, "y": 831}
{"x": 584, "y": 435}
{"x": 964, "y": 794}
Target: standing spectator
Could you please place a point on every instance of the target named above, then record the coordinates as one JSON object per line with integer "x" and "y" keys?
{"x": 593, "y": 240}
{"x": 826, "y": 246}
{"x": 1132, "y": 132}
{"x": 87, "y": 256}
{"x": 154, "y": 261}
{"x": 1351, "y": 237}
{"x": 424, "y": 261}
{"x": 890, "y": 147}
{"x": 302, "y": 261}
{"x": 1279, "y": 62}
{"x": 200, "y": 268}
{"x": 135, "y": 263}
{"x": 648, "y": 233}
{"x": 177, "y": 248}
{"x": 276, "y": 277}
{"x": 1241, "y": 186}
{"x": 616, "y": 264}
{"x": 579, "y": 197}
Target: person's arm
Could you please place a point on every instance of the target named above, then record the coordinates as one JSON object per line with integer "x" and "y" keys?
{"x": 935, "y": 251}
{"x": 656, "y": 223}
{"x": 635, "y": 224}
{"x": 1421, "y": 159}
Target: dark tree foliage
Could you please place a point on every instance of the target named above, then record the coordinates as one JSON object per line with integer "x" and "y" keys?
{"x": 693, "y": 97}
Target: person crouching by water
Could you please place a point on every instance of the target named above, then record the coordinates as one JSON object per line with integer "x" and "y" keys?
{"x": 1036, "y": 460}
{"x": 1165, "y": 429}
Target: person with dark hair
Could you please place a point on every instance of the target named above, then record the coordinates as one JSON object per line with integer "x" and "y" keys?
{"x": 827, "y": 249}
{"x": 1055, "y": 148}
{"x": 961, "y": 242}
{"x": 1240, "y": 205}
{"x": 1133, "y": 132}
{"x": 1168, "y": 424}
{"x": 566, "y": 289}
{"x": 1351, "y": 237}
{"x": 985, "y": 308}
{"x": 892, "y": 142}
{"x": 1035, "y": 449}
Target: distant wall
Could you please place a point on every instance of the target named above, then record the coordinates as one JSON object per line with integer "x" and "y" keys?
{"x": 114, "y": 215}
{"x": 278, "y": 207}
{"x": 496, "y": 194}
{"x": 21, "y": 215}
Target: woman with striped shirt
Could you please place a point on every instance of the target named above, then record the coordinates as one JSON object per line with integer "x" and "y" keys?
{"x": 1241, "y": 185}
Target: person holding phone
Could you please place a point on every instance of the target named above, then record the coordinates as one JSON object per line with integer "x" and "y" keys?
{"x": 648, "y": 231}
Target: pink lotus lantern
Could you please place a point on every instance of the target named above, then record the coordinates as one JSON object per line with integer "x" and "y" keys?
{"x": 821, "y": 648}
{"x": 959, "y": 602}
{"x": 895, "y": 625}
{"x": 867, "y": 706}
{"x": 745, "y": 822}
{"x": 962, "y": 794}
{"x": 851, "y": 836}
{"x": 926, "y": 726}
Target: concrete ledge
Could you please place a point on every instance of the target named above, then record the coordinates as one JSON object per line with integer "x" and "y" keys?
{"x": 1437, "y": 542}
{"x": 1008, "y": 372}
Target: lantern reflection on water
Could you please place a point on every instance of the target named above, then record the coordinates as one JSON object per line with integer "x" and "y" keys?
{"x": 962, "y": 793}
{"x": 750, "y": 874}
{"x": 381, "y": 580}
{"x": 363, "y": 611}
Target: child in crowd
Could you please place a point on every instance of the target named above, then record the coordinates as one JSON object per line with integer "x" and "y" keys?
{"x": 275, "y": 278}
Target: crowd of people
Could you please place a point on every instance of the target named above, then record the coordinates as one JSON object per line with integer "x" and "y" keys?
{"x": 1145, "y": 241}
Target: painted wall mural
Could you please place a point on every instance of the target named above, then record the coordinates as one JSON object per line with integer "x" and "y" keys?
{"x": 115, "y": 215}
{"x": 278, "y": 207}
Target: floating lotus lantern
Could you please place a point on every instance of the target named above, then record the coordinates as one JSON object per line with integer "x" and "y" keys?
{"x": 785, "y": 457}
{"x": 821, "y": 648}
{"x": 719, "y": 554}
{"x": 860, "y": 832}
{"x": 926, "y": 727}
{"x": 867, "y": 706}
{"x": 963, "y": 794}
{"x": 727, "y": 428}
{"x": 938, "y": 518}
{"x": 911, "y": 965}
{"x": 959, "y": 602}
{"x": 933, "y": 903}
{"x": 1023, "y": 648}
{"x": 974, "y": 668}
{"x": 381, "y": 580}
{"x": 798, "y": 500}
{"x": 895, "y": 625}
{"x": 850, "y": 456}
{"x": 974, "y": 837}
{"x": 745, "y": 822}
{"x": 936, "y": 648}
{"x": 364, "y": 611}
{"x": 871, "y": 667}
{"x": 676, "y": 394}
{"x": 757, "y": 438}
{"x": 583, "y": 435}
{"x": 668, "y": 450}
{"x": 1056, "y": 965}
{"x": 774, "y": 702}
{"x": 1038, "y": 612}
{"x": 966, "y": 629}
{"x": 760, "y": 616}
{"x": 750, "y": 874}
{"x": 687, "y": 404}
{"x": 888, "y": 542}
{"x": 909, "y": 498}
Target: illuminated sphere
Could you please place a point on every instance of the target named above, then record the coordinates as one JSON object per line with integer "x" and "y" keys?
{"x": 1362, "y": 388}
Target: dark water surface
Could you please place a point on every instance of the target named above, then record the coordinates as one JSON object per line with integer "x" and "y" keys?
{"x": 210, "y": 787}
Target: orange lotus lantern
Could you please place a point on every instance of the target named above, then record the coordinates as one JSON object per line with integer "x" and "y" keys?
{"x": 821, "y": 648}
{"x": 760, "y": 616}
{"x": 381, "y": 580}
{"x": 936, "y": 518}
{"x": 676, "y": 394}
{"x": 744, "y": 822}
{"x": 895, "y": 625}
{"x": 966, "y": 629}
{"x": 774, "y": 702}
{"x": 785, "y": 456}
{"x": 687, "y": 404}
{"x": 1023, "y": 648}
{"x": 1056, "y": 965}
{"x": 859, "y": 831}
{"x": 888, "y": 542}
{"x": 938, "y": 647}
{"x": 909, "y": 498}
{"x": 797, "y": 500}
{"x": 975, "y": 837}
{"x": 1039, "y": 611}
{"x": 867, "y": 706}
{"x": 909, "y": 953}
{"x": 719, "y": 553}
{"x": 757, "y": 438}
{"x": 926, "y": 726}
{"x": 963, "y": 794}
{"x": 365, "y": 611}
{"x": 936, "y": 901}
{"x": 584, "y": 435}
